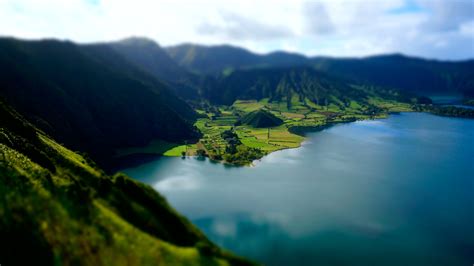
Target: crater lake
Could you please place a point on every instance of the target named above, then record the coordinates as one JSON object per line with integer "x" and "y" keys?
{"x": 395, "y": 191}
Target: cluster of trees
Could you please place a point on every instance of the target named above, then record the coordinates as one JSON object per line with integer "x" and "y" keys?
{"x": 446, "y": 110}
{"x": 243, "y": 155}
{"x": 236, "y": 152}
{"x": 372, "y": 110}
{"x": 469, "y": 102}
{"x": 232, "y": 140}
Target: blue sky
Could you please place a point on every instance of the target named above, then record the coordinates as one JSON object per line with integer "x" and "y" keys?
{"x": 442, "y": 29}
{"x": 409, "y": 6}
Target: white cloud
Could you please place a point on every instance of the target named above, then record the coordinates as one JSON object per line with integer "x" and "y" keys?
{"x": 233, "y": 26}
{"x": 429, "y": 28}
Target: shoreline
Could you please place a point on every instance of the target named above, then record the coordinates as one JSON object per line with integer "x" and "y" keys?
{"x": 135, "y": 159}
{"x": 142, "y": 158}
{"x": 302, "y": 131}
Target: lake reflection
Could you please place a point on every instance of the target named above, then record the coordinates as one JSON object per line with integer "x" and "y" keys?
{"x": 397, "y": 191}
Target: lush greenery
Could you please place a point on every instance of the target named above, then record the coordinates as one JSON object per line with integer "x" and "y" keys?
{"x": 105, "y": 98}
{"x": 114, "y": 100}
{"x": 415, "y": 75}
{"x": 226, "y": 138}
{"x": 260, "y": 118}
{"x": 264, "y": 106}
{"x": 469, "y": 102}
{"x": 451, "y": 111}
{"x": 89, "y": 97}
{"x": 149, "y": 57}
{"x": 294, "y": 85}
{"x": 57, "y": 207}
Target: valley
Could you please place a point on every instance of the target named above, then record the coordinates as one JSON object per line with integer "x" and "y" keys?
{"x": 72, "y": 115}
{"x": 256, "y": 142}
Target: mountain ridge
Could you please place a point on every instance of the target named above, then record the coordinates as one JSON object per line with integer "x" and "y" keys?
{"x": 95, "y": 102}
{"x": 422, "y": 76}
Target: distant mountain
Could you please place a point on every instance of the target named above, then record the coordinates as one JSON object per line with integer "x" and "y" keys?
{"x": 416, "y": 75}
{"x": 89, "y": 97}
{"x": 301, "y": 84}
{"x": 412, "y": 74}
{"x": 148, "y": 56}
{"x": 215, "y": 60}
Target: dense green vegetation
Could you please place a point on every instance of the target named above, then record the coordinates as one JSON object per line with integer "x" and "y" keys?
{"x": 226, "y": 138}
{"x": 105, "y": 98}
{"x": 260, "y": 118}
{"x": 149, "y": 57}
{"x": 114, "y": 100}
{"x": 58, "y": 208}
{"x": 411, "y": 74}
{"x": 89, "y": 97}
{"x": 451, "y": 111}
{"x": 469, "y": 102}
{"x": 296, "y": 84}
{"x": 415, "y": 75}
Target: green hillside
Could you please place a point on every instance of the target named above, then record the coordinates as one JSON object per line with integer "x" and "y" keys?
{"x": 261, "y": 119}
{"x": 126, "y": 98}
{"x": 149, "y": 57}
{"x": 293, "y": 85}
{"x": 89, "y": 97}
{"x": 415, "y": 75}
{"x": 58, "y": 208}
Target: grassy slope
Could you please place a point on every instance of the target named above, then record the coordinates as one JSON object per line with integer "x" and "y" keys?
{"x": 89, "y": 97}
{"x": 58, "y": 208}
{"x": 261, "y": 119}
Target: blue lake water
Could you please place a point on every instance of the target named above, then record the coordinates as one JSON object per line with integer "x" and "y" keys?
{"x": 396, "y": 191}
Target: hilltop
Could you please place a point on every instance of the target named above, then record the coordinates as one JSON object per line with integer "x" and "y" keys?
{"x": 261, "y": 119}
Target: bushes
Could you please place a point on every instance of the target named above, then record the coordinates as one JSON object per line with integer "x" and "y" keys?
{"x": 243, "y": 155}
{"x": 201, "y": 153}
{"x": 450, "y": 111}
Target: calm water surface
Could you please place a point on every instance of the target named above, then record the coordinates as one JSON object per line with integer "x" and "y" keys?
{"x": 397, "y": 191}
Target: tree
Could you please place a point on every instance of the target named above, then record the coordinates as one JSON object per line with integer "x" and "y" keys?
{"x": 201, "y": 152}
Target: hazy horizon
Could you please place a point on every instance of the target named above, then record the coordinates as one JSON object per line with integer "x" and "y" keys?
{"x": 243, "y": 48}
{"x": 436, "y": 29}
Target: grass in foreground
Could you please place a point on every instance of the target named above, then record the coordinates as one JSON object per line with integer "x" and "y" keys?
{"x": 58, "y": 208}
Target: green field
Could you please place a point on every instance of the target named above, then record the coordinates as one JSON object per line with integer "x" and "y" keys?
{"x": 298, "y": 114}
{"x": 217, "y": 119}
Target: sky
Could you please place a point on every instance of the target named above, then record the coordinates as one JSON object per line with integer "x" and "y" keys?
{"x": 441, "y": 29}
